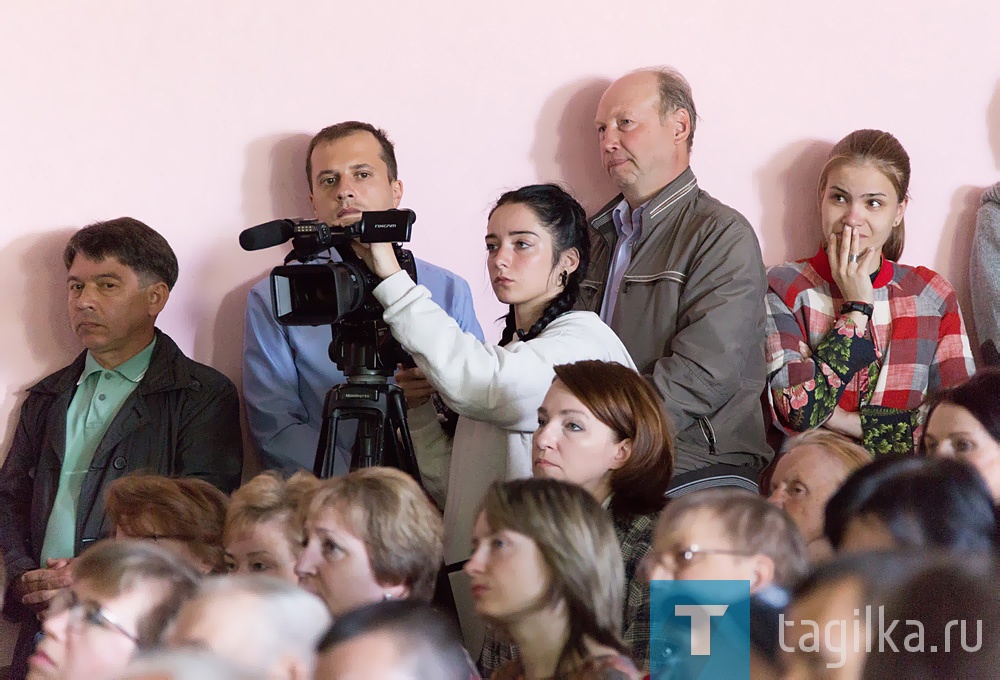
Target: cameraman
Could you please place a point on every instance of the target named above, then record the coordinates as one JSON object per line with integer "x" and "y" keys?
{"x": 351, "y": 167}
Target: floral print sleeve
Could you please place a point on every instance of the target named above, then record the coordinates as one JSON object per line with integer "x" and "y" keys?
{"x": 889, "y": 430}
{"x": 807, "y": 385}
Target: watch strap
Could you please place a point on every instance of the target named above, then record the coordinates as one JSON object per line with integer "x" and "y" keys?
{"x": 853, "y": 306}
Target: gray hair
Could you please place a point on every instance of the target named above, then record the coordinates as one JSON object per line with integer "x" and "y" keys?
{"x": 675, "y": 93}
{"x": 184, "y": 664}
{"x": 289, "y": 621}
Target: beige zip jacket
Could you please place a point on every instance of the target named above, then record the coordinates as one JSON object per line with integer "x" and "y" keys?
{"x": 690, "y": 311}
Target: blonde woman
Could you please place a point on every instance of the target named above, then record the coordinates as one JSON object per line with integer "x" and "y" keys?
{"x": 547, "y": 571}
{"x": 370, "y": 535}
{"x": 263, "y": 533}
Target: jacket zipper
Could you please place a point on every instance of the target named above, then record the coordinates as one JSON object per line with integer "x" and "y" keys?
{"x": 708, "y": 432}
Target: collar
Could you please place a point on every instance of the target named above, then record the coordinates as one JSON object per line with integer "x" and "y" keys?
{"x": 672, "y": 194}
{"x": 132, "y": 370}
{"x": 621, "y": 212}
{"x": 683, "y": 187}
{"x": 821, "y": 263}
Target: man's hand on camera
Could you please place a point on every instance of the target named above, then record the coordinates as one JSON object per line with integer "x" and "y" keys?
{"x": 416, "y": 388}
{"x": 380, "y": 257}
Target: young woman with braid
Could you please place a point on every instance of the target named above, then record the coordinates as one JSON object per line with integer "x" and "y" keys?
{"x": 538, "y": 250}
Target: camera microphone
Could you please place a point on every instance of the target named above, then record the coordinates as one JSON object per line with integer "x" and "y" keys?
{"x": 266, "y": 235}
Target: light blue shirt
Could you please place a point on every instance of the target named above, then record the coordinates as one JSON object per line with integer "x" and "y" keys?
{"x": 99, "y": 396}
{"x": 628, "y": 225}
{"x": 287, "y": 372}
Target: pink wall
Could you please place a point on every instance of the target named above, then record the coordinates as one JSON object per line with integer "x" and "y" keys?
{"x": 193, "y": 115}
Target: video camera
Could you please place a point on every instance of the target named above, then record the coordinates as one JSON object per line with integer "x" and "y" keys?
{"x": 367, "y": 410}
{"x": 337, "y": 293}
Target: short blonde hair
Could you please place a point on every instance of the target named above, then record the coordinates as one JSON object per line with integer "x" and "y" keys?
{"x": 184, "y": 509}
{"x": 402, "y": 530}
{"x": 850, "y": 454}
{"x": 266, "y": 497}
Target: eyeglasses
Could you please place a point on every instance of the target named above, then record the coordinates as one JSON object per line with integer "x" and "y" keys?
{"x": 89, "y": 612}
{"x": 682, "y": 557}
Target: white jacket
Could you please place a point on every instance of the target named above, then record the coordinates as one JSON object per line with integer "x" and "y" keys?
{"x": 495, "y": 390}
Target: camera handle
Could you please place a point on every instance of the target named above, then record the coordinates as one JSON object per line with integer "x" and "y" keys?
{"x": 382, "y": 435}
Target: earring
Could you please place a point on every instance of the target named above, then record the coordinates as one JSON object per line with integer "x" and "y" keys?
{"x": 386, "y": 597}
{"x": 563, "y": 278}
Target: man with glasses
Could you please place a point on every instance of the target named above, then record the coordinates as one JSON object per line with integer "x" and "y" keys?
{"x": 124, "y": 594}
{"x": 726, "y": 534}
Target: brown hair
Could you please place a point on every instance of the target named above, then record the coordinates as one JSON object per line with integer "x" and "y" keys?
{"x": 115, "y": 567}
{"x": 625, "y": 402}
{"x": 269, "y": 496}
{"x": 401, "y": 529}
{"x": 883, "y": 152}
{"x": 350, "y": 127}
{"x": 184, "y": 509}
{"x": 753, "y": 525}
{"x": 577, "y": 542}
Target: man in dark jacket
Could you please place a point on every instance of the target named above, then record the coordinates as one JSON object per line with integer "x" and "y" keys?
{"x": 131, "y": 401}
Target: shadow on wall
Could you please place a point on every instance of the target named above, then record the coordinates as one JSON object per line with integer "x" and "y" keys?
{"x": 566, "y": 147}
{"x": 958, "y": 231}
{"x": 790, "y": 225}
{"x": 960, "y": 228}
{"x": 36, "y": 297}
{"x": 274, "y": 186}
{"x": 993, "y": 124}
{"x": 274, "y": 181}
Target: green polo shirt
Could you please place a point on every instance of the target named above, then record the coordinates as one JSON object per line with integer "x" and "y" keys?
{"x": 99, "y": 396}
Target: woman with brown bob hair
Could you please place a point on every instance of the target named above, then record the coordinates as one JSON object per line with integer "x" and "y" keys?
{"x": 602, "y": 426}
{"x": 370, "y": 535}
{"x": 856, "y": 339}
{"x": 185, "y": 514}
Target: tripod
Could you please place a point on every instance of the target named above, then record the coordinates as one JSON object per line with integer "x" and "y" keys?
{"x": 377, "y": 407}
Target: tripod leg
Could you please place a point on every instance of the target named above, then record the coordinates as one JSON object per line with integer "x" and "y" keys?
{"x": 326, "y": 450}
{"x": 334, "y": 456}
{"x": 405, "y": 455}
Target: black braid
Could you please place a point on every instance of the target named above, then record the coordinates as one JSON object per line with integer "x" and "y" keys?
{"x": 566, "y": 220}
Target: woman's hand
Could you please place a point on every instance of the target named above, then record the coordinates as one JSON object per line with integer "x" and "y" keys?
{"x": 380, "y": 257}
{"x": 416, "y": 388}
{"x": 845, "y": 423}
{"x": 849, "y": 266}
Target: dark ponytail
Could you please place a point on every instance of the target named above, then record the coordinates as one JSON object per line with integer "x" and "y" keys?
{"x": 566, "y": 221}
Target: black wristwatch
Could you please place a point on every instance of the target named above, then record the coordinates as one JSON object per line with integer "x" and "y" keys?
{"x": 862, "y": 307}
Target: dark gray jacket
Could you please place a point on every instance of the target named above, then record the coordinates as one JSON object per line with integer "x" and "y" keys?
{"x": 182, "y": 420}
{"x": 984, "y": 276}
{"x": 690, "y": 311}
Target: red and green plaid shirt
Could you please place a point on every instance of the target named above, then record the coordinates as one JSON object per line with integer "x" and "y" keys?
{"x": 915, "y": 344}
